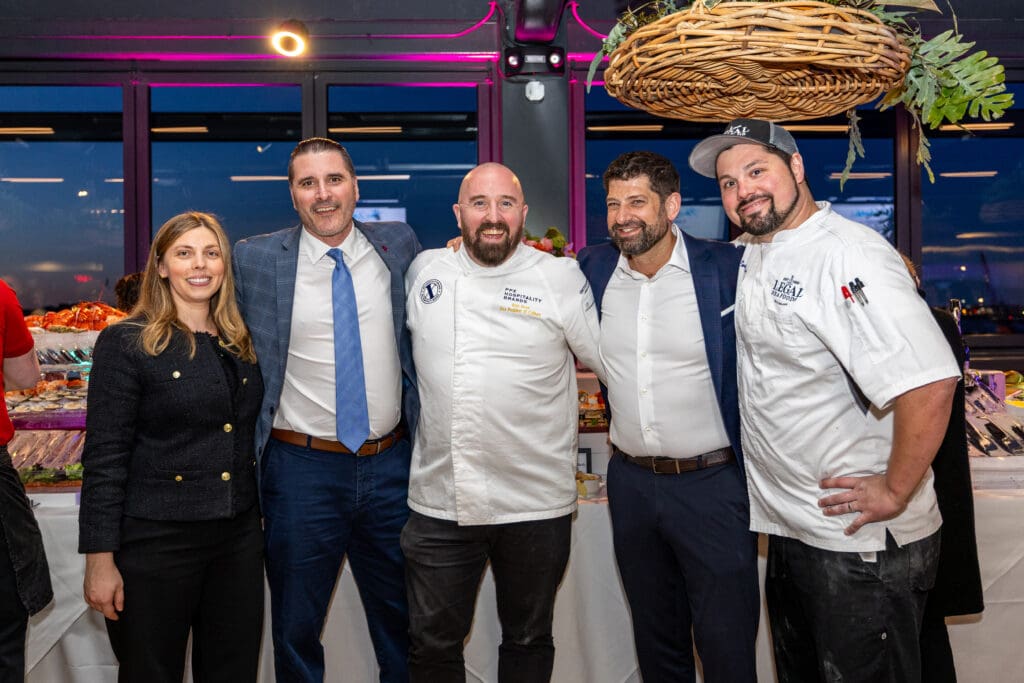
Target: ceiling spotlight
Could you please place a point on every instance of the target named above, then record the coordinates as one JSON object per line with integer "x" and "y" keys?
{"x": 290, "y": 38}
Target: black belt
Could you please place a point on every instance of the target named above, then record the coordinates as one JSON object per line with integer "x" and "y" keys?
{"x": 660, "y": 465}
{"x": 369, "y": 447}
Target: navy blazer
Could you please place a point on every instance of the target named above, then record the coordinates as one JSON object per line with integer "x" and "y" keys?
{"x": 265, "y": 267}
{"x": 714, "y": 266}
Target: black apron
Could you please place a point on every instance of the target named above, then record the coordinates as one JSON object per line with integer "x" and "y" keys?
{"x": 24, "y": 542}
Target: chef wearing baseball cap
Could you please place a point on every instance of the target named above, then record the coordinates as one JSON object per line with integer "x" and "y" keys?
{"x": 845, "y": 385}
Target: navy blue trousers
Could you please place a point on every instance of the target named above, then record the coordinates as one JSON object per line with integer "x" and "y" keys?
{"x": 688, "y": 564}
{"x": 319, "y": 507}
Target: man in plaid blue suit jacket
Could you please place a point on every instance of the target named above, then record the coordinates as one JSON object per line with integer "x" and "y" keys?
{"x": 321, "y": 501}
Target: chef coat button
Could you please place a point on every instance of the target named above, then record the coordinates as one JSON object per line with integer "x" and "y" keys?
{"x": 176, "y": 374}
{"x": 226, "y": 476}
{"x": 245, "y": 380}
{"x": 178, "y": 477}
{"x": 228, "y": 427}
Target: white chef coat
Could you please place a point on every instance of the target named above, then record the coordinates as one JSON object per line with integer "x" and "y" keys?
{"x": 819, "y": 365}
{"x": 497, "y": 434}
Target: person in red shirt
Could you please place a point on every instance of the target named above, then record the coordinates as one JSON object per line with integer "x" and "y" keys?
{"x": 24, "y": 575}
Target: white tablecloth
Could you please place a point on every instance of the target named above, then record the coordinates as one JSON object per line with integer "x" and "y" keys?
{"x": 67, "y": 642}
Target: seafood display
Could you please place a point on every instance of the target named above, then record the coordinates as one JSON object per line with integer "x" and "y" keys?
{"x": 88, "y": 315}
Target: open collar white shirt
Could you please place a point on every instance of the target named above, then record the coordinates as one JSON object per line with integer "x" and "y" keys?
{"x": 499, "y": 411}
{"x": 660, "y": 391}
{"x": 307, "y": 397}
{"x": 818, "y": 368}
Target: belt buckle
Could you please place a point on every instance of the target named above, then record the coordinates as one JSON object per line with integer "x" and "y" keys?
{"x": 377, "y": 445}
{"x": 655, "y": 462}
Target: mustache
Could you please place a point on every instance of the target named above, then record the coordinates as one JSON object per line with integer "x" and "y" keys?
{"x": 494, "y": 225}
{"x": 635, "y": 223}
{"x": 755, "y": 198}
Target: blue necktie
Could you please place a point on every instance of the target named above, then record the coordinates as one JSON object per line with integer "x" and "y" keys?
{"x": 349, "y": 383}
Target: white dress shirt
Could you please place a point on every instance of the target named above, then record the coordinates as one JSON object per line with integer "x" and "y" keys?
{"x": 806, "y": 341}
{"x": 307, "y": 397}
{"x": 497, "y": 435}
{"x": 660, "y": 391}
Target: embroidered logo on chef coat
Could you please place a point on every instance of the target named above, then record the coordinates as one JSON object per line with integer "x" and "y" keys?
{"x": 787, "y": 290}
{"x": 431, "y": 291}
{"x": 519, "y": 302}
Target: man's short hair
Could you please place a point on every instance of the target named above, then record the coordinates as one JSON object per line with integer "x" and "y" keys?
{"x": 314, "y": 146}
{"x": 662, "y": 175}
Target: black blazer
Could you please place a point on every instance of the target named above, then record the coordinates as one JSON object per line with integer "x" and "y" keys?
{"x": 957, "y": 587}
{"x": 166, "y": 438}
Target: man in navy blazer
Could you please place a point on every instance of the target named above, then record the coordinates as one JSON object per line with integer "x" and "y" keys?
{"x": 676, "y": 485}
{"x": 320, "y": 500}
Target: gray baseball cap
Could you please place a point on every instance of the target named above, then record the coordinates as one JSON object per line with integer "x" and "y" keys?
{"x": 740, "y": 131}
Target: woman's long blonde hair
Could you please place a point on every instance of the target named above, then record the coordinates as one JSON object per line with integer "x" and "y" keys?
{"x": 156, "y": 305}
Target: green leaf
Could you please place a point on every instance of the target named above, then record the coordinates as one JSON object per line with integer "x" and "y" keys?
{"x": 855, "y": 148}
{"x": 594, "y": 64}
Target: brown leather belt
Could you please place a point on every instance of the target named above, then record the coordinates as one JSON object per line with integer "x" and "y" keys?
{"x": 369, "y": 447}
{"x": 660, "y": 465}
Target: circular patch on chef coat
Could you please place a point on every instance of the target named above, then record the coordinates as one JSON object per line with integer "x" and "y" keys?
{"x": 430, "y": 291}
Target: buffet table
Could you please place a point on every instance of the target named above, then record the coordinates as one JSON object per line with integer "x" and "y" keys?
{"x": 67, "y": 641}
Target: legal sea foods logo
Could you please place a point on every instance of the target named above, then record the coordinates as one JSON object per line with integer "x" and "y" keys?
{"x": 787, "y": 290}
{"x": 738, "y": 129}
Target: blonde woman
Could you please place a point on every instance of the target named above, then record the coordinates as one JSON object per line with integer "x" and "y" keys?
{"x": 169, "y": 519}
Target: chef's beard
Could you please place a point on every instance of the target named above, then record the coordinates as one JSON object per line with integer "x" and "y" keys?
{"x": 491, "y": 253}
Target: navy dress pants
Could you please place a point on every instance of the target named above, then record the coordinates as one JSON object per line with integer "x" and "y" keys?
{"x": 319, "y": 507}
{"x": 688, "y": 564}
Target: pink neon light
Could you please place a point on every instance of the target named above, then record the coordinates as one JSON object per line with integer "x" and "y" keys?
{"x": 429, "y": 84}
{"x": 428, "y": 36}
{"x": 159, "y": 37}
{"x": 207, "y": 84}
{"x": 380, "y": 36}
{"x": 422, "y": 57}
{"x": 231, "y": 57}
{"x": 576, "y": 15}
{"x": 582, "y": 56}
{"x": 165, "y": 56}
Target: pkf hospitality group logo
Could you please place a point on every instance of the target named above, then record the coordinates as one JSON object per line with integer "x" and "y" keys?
{"x": 431, "y": 291}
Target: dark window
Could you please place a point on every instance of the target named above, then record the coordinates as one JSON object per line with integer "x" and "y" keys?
{"x": 62, "y": 222}
{"x": 973, "y": 222}
{"x": 411, "y": 146}
{"x": 224, "y": 150}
